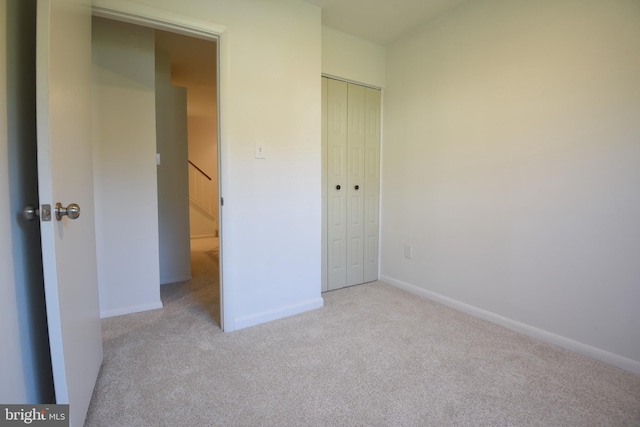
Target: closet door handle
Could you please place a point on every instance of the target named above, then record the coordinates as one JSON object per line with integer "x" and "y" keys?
{"x": 338, "y": 187}
{"x": 357, "y": 187}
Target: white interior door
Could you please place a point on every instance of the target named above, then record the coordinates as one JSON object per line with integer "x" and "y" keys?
{"x": 63, "y": 96}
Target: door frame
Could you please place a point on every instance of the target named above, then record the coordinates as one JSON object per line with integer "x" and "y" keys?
{"x": 159, "y": 19}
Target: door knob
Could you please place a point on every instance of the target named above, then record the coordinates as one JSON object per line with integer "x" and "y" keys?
{"x": 30, "y": 212}
{"x": 357, "y": 187}
{"x": 338, "y": 187}
{"x": 72, "y": 211}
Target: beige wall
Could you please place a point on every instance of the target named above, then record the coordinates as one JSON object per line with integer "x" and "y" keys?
{"x": 351, "y": 58}
{"x": 203, "y": 151}
{"x": 203, "y": 143}
{"x": 511, "y": 164}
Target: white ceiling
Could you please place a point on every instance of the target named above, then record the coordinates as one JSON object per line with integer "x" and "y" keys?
{"x": 381, "y": 21}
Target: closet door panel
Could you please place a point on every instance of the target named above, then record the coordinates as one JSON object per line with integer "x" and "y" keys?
{"x": 355, "y": 183}
{"x": 336, "y": 133}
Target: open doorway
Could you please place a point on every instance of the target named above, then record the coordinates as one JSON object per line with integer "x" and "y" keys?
{"x": 149, "y": 90}
{"x": 192, "y": 69}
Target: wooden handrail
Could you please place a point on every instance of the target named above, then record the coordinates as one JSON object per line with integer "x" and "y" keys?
{"x": 199, "y": 170}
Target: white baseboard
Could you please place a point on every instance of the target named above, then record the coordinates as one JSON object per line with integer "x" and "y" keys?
{"x": 203, "y": 236}
{"x": 268, "y": 316}
{"x": 128, "y": 310}
{"x": 578, "y": 347}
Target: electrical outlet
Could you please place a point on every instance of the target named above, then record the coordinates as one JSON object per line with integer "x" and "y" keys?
{"x": 408, "y": 251}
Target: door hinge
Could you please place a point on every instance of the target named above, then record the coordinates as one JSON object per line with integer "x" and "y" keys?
{"x": 221, "y": 201}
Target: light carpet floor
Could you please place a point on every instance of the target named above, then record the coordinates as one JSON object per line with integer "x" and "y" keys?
{"x": 373, "y": 356}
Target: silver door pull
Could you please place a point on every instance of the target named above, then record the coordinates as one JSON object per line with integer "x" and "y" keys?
{"x": 72, "y": 211}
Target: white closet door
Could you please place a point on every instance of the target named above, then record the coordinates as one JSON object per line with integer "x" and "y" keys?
{"x": 351, "y": 184}
{"x": 372, "y": 185}
{"x": 337, "y": 98}
{"x": 355, "y": 184}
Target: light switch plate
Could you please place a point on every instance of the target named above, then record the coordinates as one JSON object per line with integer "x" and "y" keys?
{"x": 260, "y": 150}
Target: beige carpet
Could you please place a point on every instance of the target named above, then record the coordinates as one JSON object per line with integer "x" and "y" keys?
{"x": 373, "y": 356}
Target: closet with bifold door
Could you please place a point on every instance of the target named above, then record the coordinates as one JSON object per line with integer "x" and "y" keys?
{"x": 351, "y": 183}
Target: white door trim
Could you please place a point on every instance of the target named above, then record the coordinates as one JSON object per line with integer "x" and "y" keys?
{"x": 160, "y": 19}
{"x": 355, "y": 82}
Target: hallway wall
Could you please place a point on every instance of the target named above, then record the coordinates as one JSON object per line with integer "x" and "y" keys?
{"x": 173, "y": 178}
{"x": 124, "y": 144}
{"x": 203, "y": 151}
